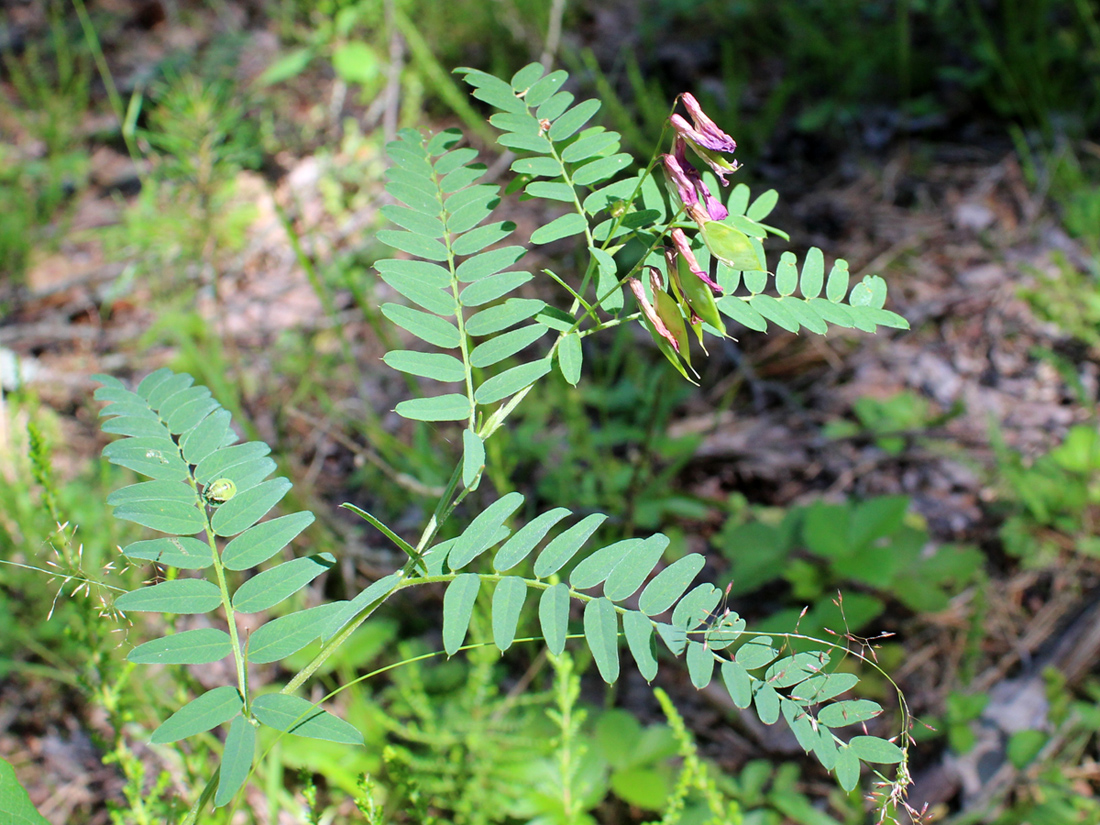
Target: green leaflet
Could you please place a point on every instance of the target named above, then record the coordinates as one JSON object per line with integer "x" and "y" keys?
{"x": 201, "y": 714}
{"x": 774, "y": 311}
{"x": 639, "y": 638}
{"x": 177, "y": 551}
{"x": 839, "y": 714}
{"x": 597, "y": 144}
{"x": 508, "y": 599}
{"x": 554, "y": 617}
{"x": 738, "y": 683}
{"x": 493, "y": 287}
{"x": 217, "y": 464}
{"x": 700, "y": 664}
{"x": 569, "y": 123}
{"x": 847, "y": 768}
{"x": 694, "y": 608}
{"x": 595, "y": 569}
{"x": 483, "y": 531}
{"x": 629, "y": 574}
{"x": 288, "y": 634}
{"x": 248, "y": 507}
{"x": 601, "y": 169}
{"x": 477, "y": 239}
{"x": 435, "y": 365}
{"x": 790, "y": 670}
{"x": 498, "y": 348}
{"x": 436, "y": 331}
{"x": 300, "y": 717}
{"x": 473, "y": 458}
{"x": 366, "y": 597}
{"x": 502, "y": 316}
{"x": 601, "y": 631}
{"x": 563, "y": 547}
{"x": 520, "y": 545}
{"x": 184, "y": 596}
{"x": 873, "y": 749}
{"x": 207, "y": 437}
{"x": 237, "y": 756}
{"x": 545, "y": 88}
{"x": 488, "y": 263}
{"x": 824, "y": 687}
{"x": 259, "y": 543}
{"x": 270, "y": 587}
{"x": 191, "y": 647}
{"x": 175, "y": 517}
{"x": 762, "y": 206}
{"x": 15, "y": 804}
{"x": 756, "y": 654}
{"x": 511, "y": 381}
{"x": 449, "y": 407}
{"x": 767, "y": 702}
{"x": 563, "y": 227}
{"x": 813, "y": 273}
{"x": 458, "y": 607}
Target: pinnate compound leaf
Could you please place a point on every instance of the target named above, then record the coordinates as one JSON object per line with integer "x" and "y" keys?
{"x": 191, "y": 647}
{"x": 175, "y": 517}
{"x": 425, "y": 326}
{"x": 570, "y": 358}
{"x": 563, "y": 227}
{"x": 15, "y": 803}
{"x": 559, "y": 551}
{"x": 288, "y": 634}
{"x": 177, "y": 551}
{"x": 601, "y": 631}
{"x": 700, "y": 664}
{"x": 498, "y": 348}
{"x": 523, "y": 541}
{"x": 184, "y": 596}
{"x": 199, "y": 715}
{"x": 449, "y": 407}
{"x": 259, "y": 543}
{"x": 458, "y": 607}
{"x": 248, "y": 507}
{"x": 511, "y": 381}
{"x": 629, "y": 574}
{"x": 874, "y": 749}
{"x": 473, "y": 458}
{"x": 639, "y": 638}
{"x": 435, "y": 365}
{"x": 554, "y": 617}
{"x": 237, "y": 756}
{"x": 300, "y": 717}
{"x": 508, "y": 598}
{"x": 270, "y": 587}
{"x": 839, "y": 714}
{"x": 480, "y": 535}
{"x": 668, "y": 585}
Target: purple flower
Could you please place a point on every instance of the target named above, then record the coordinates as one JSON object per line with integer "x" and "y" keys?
{"x": 684, "y": 250}
{"x": 705, "y": 138}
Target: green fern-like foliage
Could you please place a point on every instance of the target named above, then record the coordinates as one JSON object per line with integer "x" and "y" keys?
{"x": 205, "y": 484}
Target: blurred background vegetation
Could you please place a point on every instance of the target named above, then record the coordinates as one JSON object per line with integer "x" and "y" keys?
{"x": 196, "y": 184}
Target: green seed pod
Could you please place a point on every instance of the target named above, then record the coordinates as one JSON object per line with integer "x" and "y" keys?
{"x": 220, "y": 491}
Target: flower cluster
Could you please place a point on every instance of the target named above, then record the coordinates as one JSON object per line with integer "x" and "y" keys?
{"x": 694, "y": 289}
